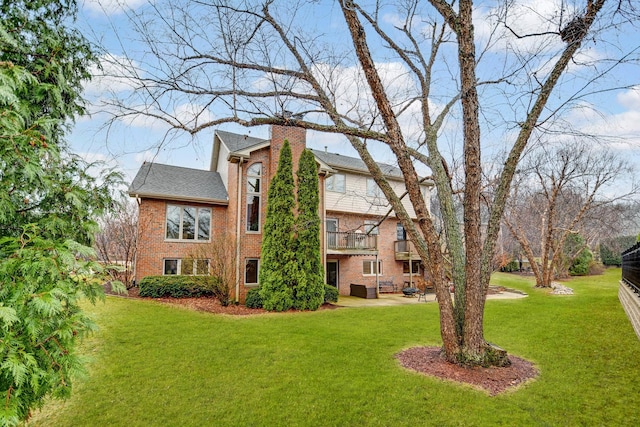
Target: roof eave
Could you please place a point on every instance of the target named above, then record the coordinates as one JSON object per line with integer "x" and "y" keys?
{"x": 178, "y": 198}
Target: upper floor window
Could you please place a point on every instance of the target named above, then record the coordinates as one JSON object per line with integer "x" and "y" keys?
{"x": 188, "y": 223}
{"x": 372, "y": 189}
{"x": 371, "y": 226}
{"x": 335, "y": 183}
{"x": 254, "y": 191}
{"x": 401, "y": 233}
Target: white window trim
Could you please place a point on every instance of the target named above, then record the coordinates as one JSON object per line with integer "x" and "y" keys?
{"x": 414, "y": 272}
{"x": 371, "y": 263}
{"x": 180, "y": 239}
{"x": 251, "y": 193}
{"x": 371, "y": 224}
{"x": 251, "y": 285}
{"x": 179, "y": 267}
{"x": 373, "y": 190}
{"x": 332, "y": 179}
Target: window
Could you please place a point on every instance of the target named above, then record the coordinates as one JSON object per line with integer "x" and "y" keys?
{"x": 251, "y": 269}
{"x": 335, "y": 183}
{"x": 371, "y": 227}
{"x": 254, "y": 189}
{"x": 182, "y": 220}
{"x": 369, "y": 267}
{"x": 372, "y": 189}
{"x": 401, "y": 234}
{"x": 171, "y": 266}
{"x": 415, "y": 267}
{"x": 186, "y": 267}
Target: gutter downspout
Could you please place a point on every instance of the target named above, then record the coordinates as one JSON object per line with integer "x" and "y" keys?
{"x": 238, "y": 228}
{"x": 325, "y": 237}
{"x": 134, "y": 271}
{"x": 377, "y": 277}
{"x": 410, "y": 268}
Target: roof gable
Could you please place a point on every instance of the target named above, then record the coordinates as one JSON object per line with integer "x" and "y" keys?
{"x": 354, "y": 164}
{"x": 158, "y": 181}
{"x": 236, "y": 142}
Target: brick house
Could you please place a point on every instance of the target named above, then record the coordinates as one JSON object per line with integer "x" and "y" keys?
{"x": 182, "y": 209}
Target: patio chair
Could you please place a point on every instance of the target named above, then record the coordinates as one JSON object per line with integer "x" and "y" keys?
{"x": 422, "y": 294}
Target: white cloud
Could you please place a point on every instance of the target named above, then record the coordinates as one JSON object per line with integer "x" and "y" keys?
{"x": 115, "y": 74}
{"x": 145, "y": 156}
{"x": 630, "y": 98}
{"x": 192, "y": 115}
{"x": 619, "y": 130}
{"x": 112, "y": 7}
{"x": 522, "y": 17}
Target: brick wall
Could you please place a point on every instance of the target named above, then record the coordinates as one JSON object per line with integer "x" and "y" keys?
{"x": 152, "y": 246}
{"x": 350, "y": 267}
{"x": 297, "y": 139}
{"x": 631, "y": 303}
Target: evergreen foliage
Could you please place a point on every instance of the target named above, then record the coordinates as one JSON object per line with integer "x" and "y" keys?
{"x": 48, "y": 203}
{"x": 611, "y": 249}
{"x": 253, "y": 299}
{"x": 578, "y": 255}
{"x": 277, "y": 263}
{"x": 308, "y": 291}
{"x": 330, "y": 294}
{"x": 178, "y": 286}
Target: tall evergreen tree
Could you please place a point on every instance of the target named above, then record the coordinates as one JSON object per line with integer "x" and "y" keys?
{"x": 48, "y": 206}
{"x": 308, "y": 291}
{"x": 278, "y": 264}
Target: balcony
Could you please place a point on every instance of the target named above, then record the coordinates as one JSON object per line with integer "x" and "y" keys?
{"x": 351, "y": 243}
{"x": 405, "y": 250}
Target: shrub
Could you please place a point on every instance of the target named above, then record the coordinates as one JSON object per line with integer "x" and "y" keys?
{"x": 596, "y": 268}
{"x": 330, "y": 294}
{"x": 581, "y": 263}
{"x": 253, "y": 299}
{"x": 511, "y": 266}
{"x": 177, "y": 286}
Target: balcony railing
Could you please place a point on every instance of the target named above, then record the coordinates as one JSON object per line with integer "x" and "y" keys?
{"x": 351, "y": 241}
{"x": 404, "y": 250}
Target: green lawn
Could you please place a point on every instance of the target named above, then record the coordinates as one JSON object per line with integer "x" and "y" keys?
{"x": 155, "y": 365}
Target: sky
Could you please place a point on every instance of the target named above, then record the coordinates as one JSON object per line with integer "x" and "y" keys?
{"x": 127, "y": 145}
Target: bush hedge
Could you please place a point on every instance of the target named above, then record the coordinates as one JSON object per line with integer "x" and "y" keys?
{"x": 330, "y": 294}
{"x": 178, "y": 286}
{"x": 511, "y": 266}
{"x": 253, "y": 299}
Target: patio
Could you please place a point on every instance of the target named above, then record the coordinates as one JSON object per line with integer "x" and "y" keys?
{"x": 400, "y": 299}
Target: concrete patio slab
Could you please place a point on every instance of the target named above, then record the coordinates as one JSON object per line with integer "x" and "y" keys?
{"x": 400, "y": 299}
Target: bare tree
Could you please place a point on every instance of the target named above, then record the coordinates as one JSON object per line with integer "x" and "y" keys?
{"x": 557, "y": 193}
{"x": 117, "y": 241}
{"x": 411, "y": 82}
{"x": 219, "y": 262}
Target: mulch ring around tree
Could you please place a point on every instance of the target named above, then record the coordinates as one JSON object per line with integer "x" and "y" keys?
{"x": 494, "y": 380}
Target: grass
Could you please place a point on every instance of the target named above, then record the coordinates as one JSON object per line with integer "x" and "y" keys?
{"x": 155, "y": 365}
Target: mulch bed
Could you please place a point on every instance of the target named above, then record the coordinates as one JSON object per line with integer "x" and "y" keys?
{"x": 212, "y": 305}
{"x": 494, "y": 380}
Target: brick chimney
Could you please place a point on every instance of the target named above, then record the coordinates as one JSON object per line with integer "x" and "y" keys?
{"x": 297, "y": 138}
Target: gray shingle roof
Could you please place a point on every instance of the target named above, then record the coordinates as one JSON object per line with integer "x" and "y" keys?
{"x": 355, "y": 164}
{"x": 236, "y": 142}
{"x": 177, "y": 183}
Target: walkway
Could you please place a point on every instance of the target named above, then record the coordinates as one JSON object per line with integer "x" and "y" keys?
{"x": 400, "y": 299}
